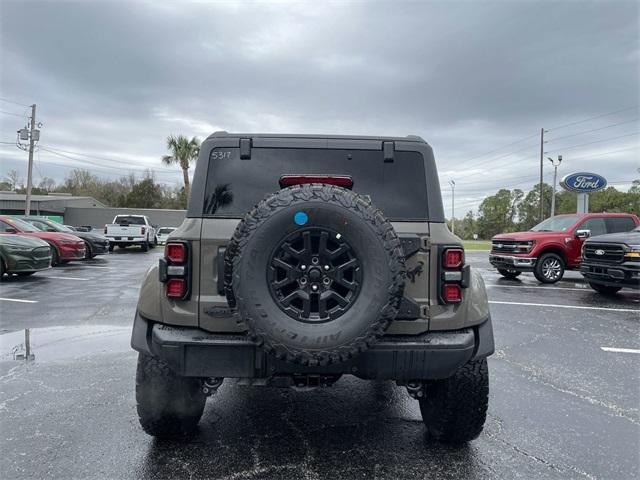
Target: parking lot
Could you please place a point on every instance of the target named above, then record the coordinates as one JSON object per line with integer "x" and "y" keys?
{"x": 565, "y": 393}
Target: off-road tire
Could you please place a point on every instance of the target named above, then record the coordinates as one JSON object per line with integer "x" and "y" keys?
{"x": 604, "y": 289}
{"x": 508, "y": 273}
{"x": 454, "y": 409}
{"x": 294, "y": 341}
{"x": 539, "y": 269}
{"x": 168, "y": 405}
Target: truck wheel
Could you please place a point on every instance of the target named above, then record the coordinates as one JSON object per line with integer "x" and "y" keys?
{"x": 454, "y": 409}
{"x": 317, "y": 274}
{"x": 604, "y": 289}
{"x": 549, "y": 268}
{"x": 111, "y": 247}
{"x": 168, "y": 405}
{"x": 509, "y": 273}
{"x": 145, "y": 247}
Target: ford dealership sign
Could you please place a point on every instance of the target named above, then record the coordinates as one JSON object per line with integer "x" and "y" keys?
{"x": 583, "y": 182}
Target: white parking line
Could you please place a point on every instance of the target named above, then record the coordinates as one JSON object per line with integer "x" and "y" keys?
{"x": 64, "y": 278}
{"x": 539, "y": 287}
{"x": 577, "y": 307}
{"x": 17, "y": 300}
{"x": 620, "y": 350}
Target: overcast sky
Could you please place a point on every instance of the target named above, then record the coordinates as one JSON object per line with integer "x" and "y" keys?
{"x": 113, "y": 79}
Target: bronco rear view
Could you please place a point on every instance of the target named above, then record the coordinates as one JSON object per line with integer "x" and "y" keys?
{"x": 305, "y": 258}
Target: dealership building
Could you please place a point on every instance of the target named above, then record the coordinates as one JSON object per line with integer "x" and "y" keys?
{"x": 82, "y": 211}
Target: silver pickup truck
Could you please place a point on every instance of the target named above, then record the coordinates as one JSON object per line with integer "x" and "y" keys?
{"x": 129, "y": 230}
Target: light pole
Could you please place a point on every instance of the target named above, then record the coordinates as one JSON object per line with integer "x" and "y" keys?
{"x": 555, "y": 175}
{"x": 453, "y": 203}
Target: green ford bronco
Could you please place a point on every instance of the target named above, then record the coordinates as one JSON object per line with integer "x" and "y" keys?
{"x": 303, "y": 258}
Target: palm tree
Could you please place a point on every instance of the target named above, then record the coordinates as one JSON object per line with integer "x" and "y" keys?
{"x": 183, "y": 151}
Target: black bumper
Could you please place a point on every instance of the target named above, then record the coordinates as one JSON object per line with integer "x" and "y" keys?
{"x": 99, "y": 248}
{"x": 194, "y": 352}
{"x": 626, "y": 275}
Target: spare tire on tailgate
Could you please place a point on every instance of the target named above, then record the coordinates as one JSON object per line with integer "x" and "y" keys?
{"x": 316, "y": 272}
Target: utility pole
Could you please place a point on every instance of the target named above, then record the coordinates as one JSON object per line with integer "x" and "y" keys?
{"x": 32, "y": 140}
{"x": 453, "y": 203}
{"x": 555, "y": 176}
{"x": 541, "y": 171}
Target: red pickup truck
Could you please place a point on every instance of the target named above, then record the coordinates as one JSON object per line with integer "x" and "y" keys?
{"x": 554, "y": 245}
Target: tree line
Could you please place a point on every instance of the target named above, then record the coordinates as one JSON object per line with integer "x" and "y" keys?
{"x": 512, "y": 210}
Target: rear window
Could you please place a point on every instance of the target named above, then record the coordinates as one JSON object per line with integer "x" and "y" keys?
{"x": 619, "y": 224}
{"x": 235, "y": 186}
{"x": 165, "y": 231}
{"x": 127, "y": 220}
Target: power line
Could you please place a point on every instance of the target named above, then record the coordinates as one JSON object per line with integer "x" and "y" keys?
{"x": 562, "y": 149}
{"x": 500, "y": 148}
{"x": 602, "y": 154}
{"x": 592, "y": 118}
{"x": 101, "y": 158}
{"x": 11, "y": 113}
{"x": 594, "y": 130}
{"x": 15, "y": 103}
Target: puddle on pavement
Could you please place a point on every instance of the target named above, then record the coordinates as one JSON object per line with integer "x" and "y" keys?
{"x": 63, "y": 343}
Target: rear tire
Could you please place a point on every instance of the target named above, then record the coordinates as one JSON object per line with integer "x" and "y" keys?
{"x": 145, "y": 247}
{"x": 549, "y": 268}
{"x": 168, "y": 405}
{"x": 111, "y": 247}
{"x": 55, "y": 258}
{"x": 24, "y": 274}
{"x": 454, "y": 409}
{"x": 510, "y": 274}
{"x": 604, "y": 289}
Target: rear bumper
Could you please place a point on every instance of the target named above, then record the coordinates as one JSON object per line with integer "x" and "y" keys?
{"x": 194, "y": 352}
{"x": 127, "y": 240}
{"x": 626, "y": 275}
{"x": 511, "y": 262}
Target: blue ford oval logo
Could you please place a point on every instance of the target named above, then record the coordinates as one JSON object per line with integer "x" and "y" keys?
{"x": 583, "y": 182}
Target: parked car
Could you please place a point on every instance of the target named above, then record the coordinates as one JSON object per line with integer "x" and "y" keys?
{"x": 64, "y": 246}
{"x": 611, "y": 262}
{"x": 553, "y": 246}
{"x": 23, "y": 256}
{"x": 312, "y": 284}
{"x": 95, "y": 244}
{"x": 129, "y": 230}
{"x": 163, "y": 234}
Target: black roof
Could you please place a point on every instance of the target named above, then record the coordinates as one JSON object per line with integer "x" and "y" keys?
{"x": 408, "y": 138}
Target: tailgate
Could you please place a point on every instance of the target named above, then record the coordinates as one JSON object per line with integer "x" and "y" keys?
{"x": 121, "y": 231}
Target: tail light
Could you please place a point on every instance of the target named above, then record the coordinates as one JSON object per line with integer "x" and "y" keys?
{"x": 143, "y": 230}
{"x": 338, "y": 180}
{"x": 174, "y": 270}
{"x": 454, "y": 275}
{"x": 105, "y": 229}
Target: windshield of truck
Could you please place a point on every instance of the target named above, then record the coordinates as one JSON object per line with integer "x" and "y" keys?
{"x": 556, "y": 224}
{"x": 165, "y": 231}
{"x": 235, "y": 186}
{"x": 128, "y": 220}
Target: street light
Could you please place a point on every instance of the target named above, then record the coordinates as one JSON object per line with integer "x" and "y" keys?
{"x": 555, "y": 175}
{"x": 453, "y": 202}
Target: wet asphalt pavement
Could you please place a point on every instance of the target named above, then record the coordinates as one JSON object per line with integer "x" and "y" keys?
{"x": 561, "y": 406}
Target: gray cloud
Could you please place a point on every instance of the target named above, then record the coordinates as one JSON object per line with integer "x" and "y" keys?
{"x": 113, "y": 79}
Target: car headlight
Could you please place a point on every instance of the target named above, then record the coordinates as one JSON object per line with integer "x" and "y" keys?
{"x": 633, "y": 253}
{"x": 526, "y": 246}
{"x": 16, "y": 249}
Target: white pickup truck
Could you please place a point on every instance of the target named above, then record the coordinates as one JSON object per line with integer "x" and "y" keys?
{"x": 131, "y": 230}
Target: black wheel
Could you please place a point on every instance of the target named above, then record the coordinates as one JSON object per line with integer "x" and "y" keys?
{"x": 24, "y": 274}
{"x": 155, "y": 242}
{"x": 549, "y": 268}
{"x": 317, "y": 273}
{"x": 3, "y": 269}
{"x": 88, "y": 252}
{"x": 604, "y": 289}
{"x": 454, "y": 409}
{"x": 55, "y": 258}
{"x": 168, "y": 405}
{"x": 111, "y": 247}
{"x": 509, "y": 273}
{"x": 145, "y": 247}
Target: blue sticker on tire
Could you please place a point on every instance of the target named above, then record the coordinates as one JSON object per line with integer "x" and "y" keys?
{"x": 300, "y": 218}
